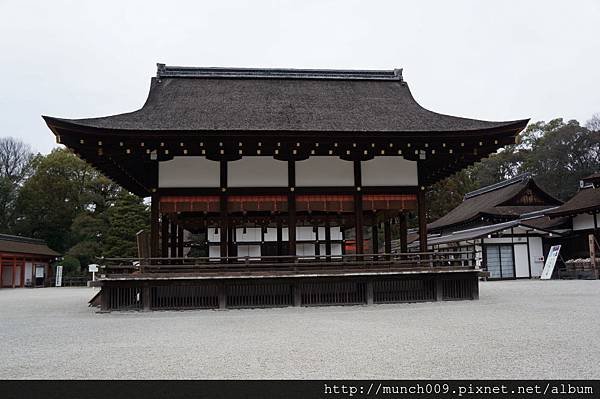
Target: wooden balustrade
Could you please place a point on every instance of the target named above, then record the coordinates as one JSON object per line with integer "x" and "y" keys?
{"x": 353, "y": 263}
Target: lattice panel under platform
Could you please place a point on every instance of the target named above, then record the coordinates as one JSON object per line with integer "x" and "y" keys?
{"x": 122, "y": 298}
{"x": 253, "y": 295}
{"x": 333, "y": 293}
{"x": 205, "y": 296}
{"x": 454, "y": 289}
{"x": 411, "y": 290}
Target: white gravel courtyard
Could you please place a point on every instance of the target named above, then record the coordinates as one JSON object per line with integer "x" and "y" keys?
{"x": 518, "y": 329}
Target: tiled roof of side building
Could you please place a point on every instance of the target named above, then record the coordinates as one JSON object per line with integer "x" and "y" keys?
{"x": 495, "y": 200}
{"x": 586, "y": 200}
{"x": 25, "y": 245}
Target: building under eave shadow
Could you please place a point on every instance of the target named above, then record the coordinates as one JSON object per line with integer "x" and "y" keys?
{"x": 25, "y": 262}
{"x": 505, "y": 225}
{"x": 259, "y": 177}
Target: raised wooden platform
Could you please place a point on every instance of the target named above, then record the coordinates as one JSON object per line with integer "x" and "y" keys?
{"x": 239, "y": 283}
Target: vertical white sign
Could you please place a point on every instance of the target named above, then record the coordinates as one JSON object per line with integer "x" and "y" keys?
{"x": 58, "y": 282}
{"x": 550, "y": 263}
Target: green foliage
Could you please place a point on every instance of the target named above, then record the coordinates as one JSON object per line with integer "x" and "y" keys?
{"x": 126, "y": 218}
{"x": 445, "y": 195}
{"x": 71, "y": 265}
{"x": 556, "y": 153}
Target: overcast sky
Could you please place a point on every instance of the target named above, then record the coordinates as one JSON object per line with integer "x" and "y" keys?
{"x": 495, "y": 60}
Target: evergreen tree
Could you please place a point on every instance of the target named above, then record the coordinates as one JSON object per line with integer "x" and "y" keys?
{"x": 126, "y": 218}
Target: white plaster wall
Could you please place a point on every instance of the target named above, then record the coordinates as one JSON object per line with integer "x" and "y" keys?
{"x": 214, "y": 251}
{"x": 7, "y": 276}
{"x": 389, "y": 171}
{"x": 304, "y": 233}
{"x": 271, "y": 234}
{"x": 188, "y": 172}
{"x": 584, "y": 222}
{"x": 253, "y": 251}
{"x": 521, "y": 261}
{"x": 257, "y": 172}
{"x": 252, "y": 234}
{"x": 305, "y": 250}
{"x": 28, "y": 273}
{"x": 212, "y": 236}
{"x": 324, "y": 171}
{"x": 536, "y": 251}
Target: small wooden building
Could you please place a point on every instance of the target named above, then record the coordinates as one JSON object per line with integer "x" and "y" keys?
{"x": 505, "y": 224}
{"x": 25, "y": 262}
{"x": 269, "y": 186}
{"x": 583, "y": 211}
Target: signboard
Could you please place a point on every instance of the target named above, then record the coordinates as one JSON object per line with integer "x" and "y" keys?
{"x": 58, "y": 282}
{"x": 550, "y": 262}
{"x": 93, "y": 268}
{"x": 39, "y": 271}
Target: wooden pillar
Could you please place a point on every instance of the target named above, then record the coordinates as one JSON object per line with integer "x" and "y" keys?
{"x": 403, "y": 233}
{"x": 279, "y": 236}
{"x": 222, "y": 293}
{"x": 231, "y": 240}
{"x": 327, "y": 239}
{"x": 375, "y": 236}
{"x": 22, "y": 268}
{"x": 592, "y": 246}
{"x": 387, "y": 236}
{"x": 292, "y": 208}
{"x": 358, "y": 210}
{"x": 297, "y": 294}
{"x": 422, "y": 219}
{"x": 14, "y": 271}
{"x": 1, "y": 285}
{"x": 154, "y": 213}
{"x": 223, "y": 225}
{"x": 180, "y": 241}
{"x": 528, "y": 254}
{"x": 439, "y": 288}
{"x": 146, "y": 297}
{"x": 164, "y": 236}
{"x": 317, "y": 243}
{"x": 173, "y": 240}
{"x": 370, "y": 294}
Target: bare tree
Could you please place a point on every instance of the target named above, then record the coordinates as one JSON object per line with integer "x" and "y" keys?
{"x": 15, "y": 157}
{"x": 594, "y": 123}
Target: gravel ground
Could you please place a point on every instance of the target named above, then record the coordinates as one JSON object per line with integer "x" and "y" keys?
{"x": 518, "y": 329}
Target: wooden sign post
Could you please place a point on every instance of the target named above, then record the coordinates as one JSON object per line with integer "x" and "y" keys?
{"x": 593, "y": 264}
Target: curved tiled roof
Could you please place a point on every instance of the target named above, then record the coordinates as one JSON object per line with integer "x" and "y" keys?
{"x": 586, "y": 200}
{"x": 238, "y": 99}
{"x": 25, "y": 245}
{"x": 492, "y": 201}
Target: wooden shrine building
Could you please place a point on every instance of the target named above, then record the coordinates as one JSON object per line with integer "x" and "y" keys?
{"x": 270, "y": 187}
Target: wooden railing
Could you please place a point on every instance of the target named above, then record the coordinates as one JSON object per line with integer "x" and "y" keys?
{"x": 290, "y": 264}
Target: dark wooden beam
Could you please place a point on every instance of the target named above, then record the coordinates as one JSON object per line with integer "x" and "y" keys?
{"x": 291, "y": 208}
{"x": 358, "y": 210}
{"x": 154, "y": 225}
{"x": 180, "y": 241}
{"x": 223, "y": 220}
{"x": 164, "y": 236}
{"x": 375, "y": 236}
{"x": 403, "y": 233}
{"x": 387, "y": 236}
{"x": 173, "y": 239}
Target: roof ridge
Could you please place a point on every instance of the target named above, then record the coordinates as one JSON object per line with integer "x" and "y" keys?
{"x": 9, "y": 237}
{"x": 517, "y": 179}
{"x": 165, "y": 71}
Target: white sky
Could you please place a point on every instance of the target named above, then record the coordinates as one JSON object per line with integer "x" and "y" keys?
{"x": 495, "y": 60}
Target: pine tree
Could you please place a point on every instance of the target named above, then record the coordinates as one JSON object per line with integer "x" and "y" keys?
{"x": 126, "y": 218}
